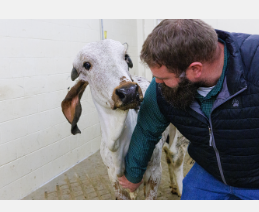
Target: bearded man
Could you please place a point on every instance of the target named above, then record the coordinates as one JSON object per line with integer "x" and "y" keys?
{"x": 207, "y": 85}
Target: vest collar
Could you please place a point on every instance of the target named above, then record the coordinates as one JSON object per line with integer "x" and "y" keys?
{"x": 235, "y": 68}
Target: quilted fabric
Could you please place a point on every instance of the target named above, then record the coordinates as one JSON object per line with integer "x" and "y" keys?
{"x": 234, "y": 123}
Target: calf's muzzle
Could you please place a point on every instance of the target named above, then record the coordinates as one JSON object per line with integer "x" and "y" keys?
{"x": 127, "y": 95}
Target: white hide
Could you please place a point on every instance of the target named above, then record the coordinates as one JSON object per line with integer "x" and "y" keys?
{"x": 108, "y": 68}
{"x": 175, "y": 153}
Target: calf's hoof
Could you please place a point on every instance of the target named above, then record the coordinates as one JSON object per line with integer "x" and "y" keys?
{"x": 174, "y": 190}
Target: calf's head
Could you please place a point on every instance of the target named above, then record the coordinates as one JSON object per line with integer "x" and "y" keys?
{"x": 104, "y": 65}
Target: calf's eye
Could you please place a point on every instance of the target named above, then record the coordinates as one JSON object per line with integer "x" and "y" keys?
{"x": 87, "y": 65}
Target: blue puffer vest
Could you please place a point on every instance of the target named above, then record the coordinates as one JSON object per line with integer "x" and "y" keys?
{"x": 227, "y": 144}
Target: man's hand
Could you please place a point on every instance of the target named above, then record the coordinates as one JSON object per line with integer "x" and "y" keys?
{"x": 127, "y": 184}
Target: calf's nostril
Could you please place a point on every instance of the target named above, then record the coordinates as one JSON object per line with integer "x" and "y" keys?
{"x": 120, "y": 93}
{"x": 137, "y": 96}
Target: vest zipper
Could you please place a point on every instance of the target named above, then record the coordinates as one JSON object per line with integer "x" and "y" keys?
{"x": 212, "y": 140}
{"x": 217, "y": 154}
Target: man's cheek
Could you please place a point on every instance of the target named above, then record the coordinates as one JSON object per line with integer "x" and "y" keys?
{"x": 172, "y": 83}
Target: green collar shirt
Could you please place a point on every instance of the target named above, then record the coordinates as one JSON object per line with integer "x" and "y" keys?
{"x": 206, "y": 102}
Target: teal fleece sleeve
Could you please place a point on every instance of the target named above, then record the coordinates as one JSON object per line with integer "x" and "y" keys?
{"x": 150, "y": 126}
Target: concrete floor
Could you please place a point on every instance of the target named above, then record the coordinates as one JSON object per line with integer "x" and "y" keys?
{"x": 89, "y": 180}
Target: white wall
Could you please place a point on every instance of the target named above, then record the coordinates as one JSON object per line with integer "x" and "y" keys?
{"x": 35, "y": 64}
{"x": 124, "y": 30}
{"x": 145, "y": 27}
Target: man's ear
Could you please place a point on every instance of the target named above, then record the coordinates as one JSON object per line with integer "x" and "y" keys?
{"x": 71, "y": 106}
{"x": 194, "y": 70}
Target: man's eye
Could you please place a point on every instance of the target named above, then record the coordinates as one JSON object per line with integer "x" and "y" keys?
{"x": 87, "y": 65}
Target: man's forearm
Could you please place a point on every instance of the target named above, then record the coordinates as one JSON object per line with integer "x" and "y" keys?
{"x": 150, "y": 126}
{"x": 139, "y": 154}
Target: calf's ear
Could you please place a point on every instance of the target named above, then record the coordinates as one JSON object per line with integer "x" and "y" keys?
{"x": 128, "y": 61}
{"x": 71, "y": 106}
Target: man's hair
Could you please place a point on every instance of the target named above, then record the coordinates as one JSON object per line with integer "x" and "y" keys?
{"x": 178, "y": 43}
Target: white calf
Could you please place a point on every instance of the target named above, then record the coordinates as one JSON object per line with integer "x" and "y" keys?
{"x": 104, "y": 66}
{"x": 175, "y": 152}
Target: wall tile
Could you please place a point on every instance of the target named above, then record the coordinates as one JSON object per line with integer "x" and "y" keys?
{"x": 35, "y": 85}
{"x": 13, "y": 129}
{"x": 8, "y": 152}
{"x": 6, "y": 108}
{"x": 27, "y": 144}
{"x": 11, "y": 88}
{"x": 5, "y": 67}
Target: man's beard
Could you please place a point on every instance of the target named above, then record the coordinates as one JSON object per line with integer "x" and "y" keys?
{"x": 181, "y": 96}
